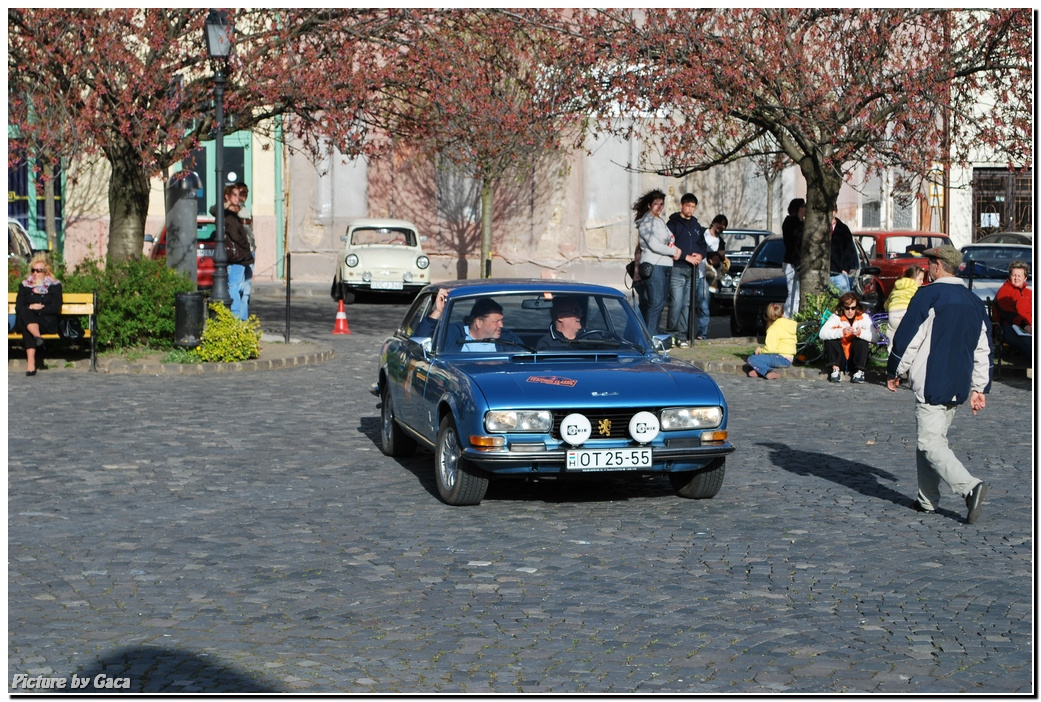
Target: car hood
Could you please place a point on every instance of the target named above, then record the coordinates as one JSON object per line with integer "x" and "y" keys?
{"x": 985, "y": 287}
{"x": 548, "y": 381}
{"x": 749, "y": 275}
{"x": 386, "y": 255}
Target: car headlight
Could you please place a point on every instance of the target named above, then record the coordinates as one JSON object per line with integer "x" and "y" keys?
{"x": 728, "y": 281}
{"x": 501, "y": 421}
{"x": 351, "y": 260}
{"x": 422, "y": 262}
{"x": 676, "y": 418}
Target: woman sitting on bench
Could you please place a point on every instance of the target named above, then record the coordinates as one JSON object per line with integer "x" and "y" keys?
{"x": 37, "y": 307}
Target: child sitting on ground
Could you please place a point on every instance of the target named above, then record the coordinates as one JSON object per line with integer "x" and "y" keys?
{"x": 900, "y": 297}
{"x": 780, "y": 345}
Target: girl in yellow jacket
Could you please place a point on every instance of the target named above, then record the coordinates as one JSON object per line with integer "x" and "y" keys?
{"x": 780, "y": 345}
{"x": 900, "y": 297}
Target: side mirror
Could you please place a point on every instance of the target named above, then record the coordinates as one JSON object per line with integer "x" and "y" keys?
{"x": 871, "y": 270}
{"x": 662, "y": 342}
{"x": 424, "y": 342}
{"x": 343, "y": 238}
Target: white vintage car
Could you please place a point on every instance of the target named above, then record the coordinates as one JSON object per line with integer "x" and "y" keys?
{"x": 380, "y": 255}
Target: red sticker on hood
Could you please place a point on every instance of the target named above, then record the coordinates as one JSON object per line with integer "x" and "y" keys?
{"x": 552, "y": 380}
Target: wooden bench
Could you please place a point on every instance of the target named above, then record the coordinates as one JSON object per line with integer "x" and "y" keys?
{"x": 72, "y": 304}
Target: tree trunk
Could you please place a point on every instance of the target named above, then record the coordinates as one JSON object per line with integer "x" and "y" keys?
{"x": 822, "y": 194}
{"x": 487, "y": 200}
{"x": 49, "y": 208}
{"x": 128, "y": 192}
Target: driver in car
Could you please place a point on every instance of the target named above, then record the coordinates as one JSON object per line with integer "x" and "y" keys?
{"x": 481, "y": 330}
{"x": 567, "y": 324}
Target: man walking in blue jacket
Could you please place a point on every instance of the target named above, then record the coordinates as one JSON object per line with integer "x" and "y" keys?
{"x": 943, "y": 344}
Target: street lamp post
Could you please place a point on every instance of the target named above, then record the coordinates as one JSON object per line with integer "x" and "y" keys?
{"x": 218, "y": 45}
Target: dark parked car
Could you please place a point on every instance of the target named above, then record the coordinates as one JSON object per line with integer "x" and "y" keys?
{"x": 1025, "y": 238}
{"x": 763, "y": 282}
{"x": 989, "y": 265}
{"x": 740, "y": 244}
{"x": 206, "y": 234}
{"x": 609, "y": 401}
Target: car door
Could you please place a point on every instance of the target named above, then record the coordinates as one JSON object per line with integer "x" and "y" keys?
{"x": 408, "y": 365}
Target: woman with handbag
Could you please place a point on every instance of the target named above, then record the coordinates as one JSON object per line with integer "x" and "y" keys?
{"x": 657, "y": 249}
{"x": 37, "y": 308}
{"x": 236, "y": 244}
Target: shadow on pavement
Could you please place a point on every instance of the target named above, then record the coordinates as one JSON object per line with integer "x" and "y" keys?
{"x": 861, "y": 477}
{"x": 161, "y": 669}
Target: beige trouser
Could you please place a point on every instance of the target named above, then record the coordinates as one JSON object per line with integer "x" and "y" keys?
{"x": 935, "y": 459}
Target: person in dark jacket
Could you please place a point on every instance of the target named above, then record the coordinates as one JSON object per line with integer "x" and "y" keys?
{"x": 481, "y": 330}
{"x": 687, "y": 233}
{"x": 240, "y": 258}
{"x": 37, "y": 307}
{"x": 943, "y": 344}
{"x": 791, "y": 230}
{"x": 844, "y": 259}
{"x": 566, "y": 326}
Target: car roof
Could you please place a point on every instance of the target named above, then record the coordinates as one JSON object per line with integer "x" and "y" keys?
{"x": 1001, "y": 244}
{"x": 883, "y": 234}
{"x": 499, "y": 286}
{"x": 377, "y": 223}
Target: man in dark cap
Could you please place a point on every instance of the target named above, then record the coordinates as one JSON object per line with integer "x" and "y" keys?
{"x": 943, "y": 344}
{"x": 481, "y": 330}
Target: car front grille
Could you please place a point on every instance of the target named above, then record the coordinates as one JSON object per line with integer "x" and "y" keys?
{"x": 606, "y": 423}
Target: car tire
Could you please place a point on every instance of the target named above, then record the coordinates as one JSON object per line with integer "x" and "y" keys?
{"x": 393, "y": 440}
{"x": 735, "y": 327}
{"x": 701, "y": 484}
{"x": 458, "y": 482}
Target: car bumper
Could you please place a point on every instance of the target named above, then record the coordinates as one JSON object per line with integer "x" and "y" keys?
{"x": 385, "y": 287}
{"x": 666, "y": 459}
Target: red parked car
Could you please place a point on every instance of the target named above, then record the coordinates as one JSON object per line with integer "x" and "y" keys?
{"x": 894, "y": 251}
{"x": 206, "y": 244}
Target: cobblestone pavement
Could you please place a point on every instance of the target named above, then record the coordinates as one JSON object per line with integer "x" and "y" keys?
{"x": 243, "y": 532}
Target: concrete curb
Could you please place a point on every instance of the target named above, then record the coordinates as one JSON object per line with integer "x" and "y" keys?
{"x": 273, "y": 356}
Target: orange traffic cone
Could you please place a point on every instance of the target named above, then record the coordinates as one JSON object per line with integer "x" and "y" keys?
{"x": 341, "y": 321}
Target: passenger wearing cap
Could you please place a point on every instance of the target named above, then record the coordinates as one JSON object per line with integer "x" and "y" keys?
{"x": 481, "y": 330}
{"x": 566, "y": 324}
{"x": 943, "y": 344}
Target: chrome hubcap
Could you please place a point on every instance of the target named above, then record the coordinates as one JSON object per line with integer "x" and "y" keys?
{"x": 448, "y": 463}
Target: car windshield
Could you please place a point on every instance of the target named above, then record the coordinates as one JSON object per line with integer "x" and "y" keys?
{"x": 741, "y": 242}
{"x": 383, "y": 236}
{"x": 770, "y": 254}
{"x": 904, "y": 246}
{"x": 608, "y": 323}
{"x": 991, "y": 261}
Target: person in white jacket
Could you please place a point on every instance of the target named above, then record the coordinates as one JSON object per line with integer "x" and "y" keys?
{"x": 847, "y": 335}
{"x": 657, "y": 248}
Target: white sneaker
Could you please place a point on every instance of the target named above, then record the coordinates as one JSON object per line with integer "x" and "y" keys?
{"x": 858, "y": 377}
{"x": 835, "y": 377}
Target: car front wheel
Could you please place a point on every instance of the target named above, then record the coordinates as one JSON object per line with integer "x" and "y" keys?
{"x": 458, "y": 482}
{"x": 701, "y": 484}
{"x": 395, "y": 442}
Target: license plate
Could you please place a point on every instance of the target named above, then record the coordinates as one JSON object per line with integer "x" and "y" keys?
{"x": 608, "y": 459}
{"x": 204, "y": 253}
{"x": 387, "y": 285}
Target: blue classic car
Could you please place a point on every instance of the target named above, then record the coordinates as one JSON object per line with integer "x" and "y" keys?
{"x": 480, "y": 373}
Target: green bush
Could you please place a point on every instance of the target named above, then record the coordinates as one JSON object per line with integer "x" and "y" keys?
{"x": 227, "y": 338}
{"x": 17, "y": 271}
{"x": 135, "y": 300}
